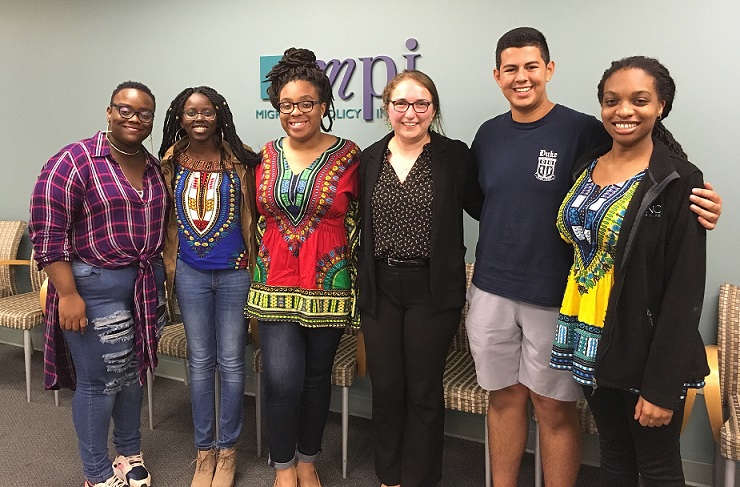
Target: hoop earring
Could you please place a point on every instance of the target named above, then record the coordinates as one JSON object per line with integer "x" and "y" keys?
{"x": 179, "y": 134}
{"x": 107, "y": 129}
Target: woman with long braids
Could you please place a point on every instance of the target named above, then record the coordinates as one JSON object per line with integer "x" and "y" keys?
{"x": 98, "y": 212}
{"x": 302, "y": 291}
{"x": 629, "y": 319}
{"x": 209, "y": 249}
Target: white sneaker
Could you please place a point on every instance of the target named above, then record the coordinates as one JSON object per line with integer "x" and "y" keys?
{"x": 111, "y": 482}
{"x": 131, "y": 471}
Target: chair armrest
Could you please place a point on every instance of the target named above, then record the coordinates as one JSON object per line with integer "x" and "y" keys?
{"x": 42, "y": 295}
{"x": 14, "y": 262}
{"x": 361, "y": 356}
{"x": 712, "y": 396}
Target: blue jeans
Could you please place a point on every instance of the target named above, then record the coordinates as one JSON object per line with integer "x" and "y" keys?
{"x": 296, "y": 364}
{"x": 212, "y": 306}
{"x": 105, "y": 366}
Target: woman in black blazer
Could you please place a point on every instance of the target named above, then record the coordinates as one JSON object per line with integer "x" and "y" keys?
{"x": 411, "y": 277}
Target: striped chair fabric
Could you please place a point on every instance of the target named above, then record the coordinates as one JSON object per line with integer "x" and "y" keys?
{"x": 172, "y": 342}
{"x": 728, "y": 351}
{"x": 23, "y": 312}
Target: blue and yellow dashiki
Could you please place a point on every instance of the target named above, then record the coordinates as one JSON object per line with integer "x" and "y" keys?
{"x": 590, "y": 219}
{"x": 207, "y": 197}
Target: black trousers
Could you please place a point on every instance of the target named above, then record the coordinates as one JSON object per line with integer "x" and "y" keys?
{"x": 406, "y": 346}
{"x": 629, "y": 450}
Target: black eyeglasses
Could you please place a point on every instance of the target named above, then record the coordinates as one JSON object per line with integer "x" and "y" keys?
{"x": 304, "y": 106}
{"x": 208, "y": 114}
{"x": 402, "y": 106}
{"x": 125, "y": 111}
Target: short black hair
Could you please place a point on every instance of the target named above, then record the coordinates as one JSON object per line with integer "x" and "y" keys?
{"x": 522, "y": 37}
{"x": 134, "y": 85}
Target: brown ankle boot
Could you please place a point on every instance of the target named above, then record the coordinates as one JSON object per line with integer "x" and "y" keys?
{"x": 225, "y": 468}
{"x": 205, "y": 465}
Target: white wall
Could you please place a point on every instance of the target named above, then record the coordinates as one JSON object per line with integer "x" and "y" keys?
{"x": 59, "y": 61}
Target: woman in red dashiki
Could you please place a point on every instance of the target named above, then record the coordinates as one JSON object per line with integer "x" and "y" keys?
{"x": 303, "y": 271}
{"x": 303, "y": 286}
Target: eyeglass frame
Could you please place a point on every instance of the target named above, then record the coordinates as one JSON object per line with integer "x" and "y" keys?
{"x": 134, "y": 112}
{"x": 293, "y": 105}
{"x": 202, "y": 114}
{"x": 411, "y": 104}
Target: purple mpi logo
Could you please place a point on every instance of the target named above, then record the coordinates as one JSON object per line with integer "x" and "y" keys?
{"x": 341, "y": 75}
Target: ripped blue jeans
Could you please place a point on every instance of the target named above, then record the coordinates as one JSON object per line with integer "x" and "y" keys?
{"x": 105, "y": 366}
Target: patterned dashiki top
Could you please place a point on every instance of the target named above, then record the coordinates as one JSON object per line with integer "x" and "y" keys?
{"x": 207, "y": 198}
{"x": 307, "y": 236}
{"x": 590, "y": 219}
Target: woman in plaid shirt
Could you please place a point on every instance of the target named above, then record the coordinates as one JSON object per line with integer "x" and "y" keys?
{"x": 97, "y": 225}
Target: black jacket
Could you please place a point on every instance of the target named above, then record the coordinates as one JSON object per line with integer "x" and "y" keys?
{"x": 651, "y": 339}
{"x": 450, "y": 161}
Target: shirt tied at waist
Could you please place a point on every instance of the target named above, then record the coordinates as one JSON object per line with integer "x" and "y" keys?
{"x": 145, "y": 317}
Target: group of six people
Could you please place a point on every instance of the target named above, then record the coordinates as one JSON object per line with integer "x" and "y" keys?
{"x": 334, "y": 237}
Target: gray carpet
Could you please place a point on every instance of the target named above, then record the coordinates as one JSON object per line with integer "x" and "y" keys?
{"x": 38, "y": 446}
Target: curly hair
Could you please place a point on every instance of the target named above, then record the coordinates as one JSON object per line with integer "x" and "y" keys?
{"x": 224, "y": 124}
{"x": 664, "y": 85}
{"x": 300, "y": 64}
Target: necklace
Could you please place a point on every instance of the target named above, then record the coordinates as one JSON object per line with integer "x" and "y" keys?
{"x": 216, "y": 165}
{"x": 119, "y": 150}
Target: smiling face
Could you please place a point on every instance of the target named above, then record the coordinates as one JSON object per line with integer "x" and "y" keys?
{"x": 193, "y": 120}
{"x": 630, "y": 106}
{"x": 523, "y": 77}
{"x": 299, "y": 126}
{"x": 132, "y": 131}
{"x": 410, "y": 126}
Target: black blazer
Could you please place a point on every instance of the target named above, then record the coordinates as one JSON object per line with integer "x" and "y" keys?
{"x": 450, "y": 174}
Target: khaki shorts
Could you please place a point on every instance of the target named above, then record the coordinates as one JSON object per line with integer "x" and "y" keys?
{"x": 511, "y": 343}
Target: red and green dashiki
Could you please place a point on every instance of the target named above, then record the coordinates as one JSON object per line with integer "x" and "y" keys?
{"x": 307, "y": 236}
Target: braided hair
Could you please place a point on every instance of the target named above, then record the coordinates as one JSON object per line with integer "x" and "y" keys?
{"x": 224, "y": 124}
{"x": 300, "y": 64}
{"x": 664, "y": 85}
